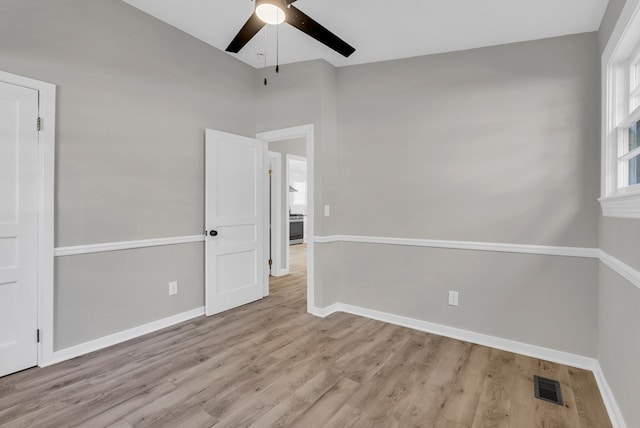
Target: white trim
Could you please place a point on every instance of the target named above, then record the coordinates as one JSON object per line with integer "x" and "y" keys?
{"x": 265, "y": 219}
{"x": 466, "y": 245}
{"x": 632, "y": 118}
{"x": 46, "y": 157}
{"x": 628, "y": 156}
{"x": 617, "y": 420}
{"x": 126, "y": 245}
{"x": 275, "y": 159}
{"x": 287, "y": 230}
{"x": 534, "y": 351}
{"x": 122, "y": 336}
{"x": 307, "y": 132}
{"x": 279, "y": 273}
{"x": 622, "y": 205}
{"x": 624, "y": 270}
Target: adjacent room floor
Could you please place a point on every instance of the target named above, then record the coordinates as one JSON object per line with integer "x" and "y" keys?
{"x": 271, "y": 364}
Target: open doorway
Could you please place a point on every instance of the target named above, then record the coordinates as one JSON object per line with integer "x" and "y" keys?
{"x": 290, "y": 204}
{"x": 296, "y": 243}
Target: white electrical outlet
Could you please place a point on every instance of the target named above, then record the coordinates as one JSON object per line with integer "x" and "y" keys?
{"x": 453, "y": 298}
{"x": 173, "y": 288}
{"x": 327, "y": 210}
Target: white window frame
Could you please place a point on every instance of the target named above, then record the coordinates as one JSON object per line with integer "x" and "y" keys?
{"x": 623, "y": 49}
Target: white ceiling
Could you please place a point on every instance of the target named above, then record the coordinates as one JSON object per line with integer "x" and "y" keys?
{"x": 382, "y": 30}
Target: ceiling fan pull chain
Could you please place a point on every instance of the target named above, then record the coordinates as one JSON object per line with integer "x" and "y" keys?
{"x": 265, "y": 56}
{"x": 278, "y": 46}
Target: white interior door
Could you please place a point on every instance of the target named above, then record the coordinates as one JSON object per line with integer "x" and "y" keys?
{"x": 18, "y": 228}
{"x": 234, "y": 247}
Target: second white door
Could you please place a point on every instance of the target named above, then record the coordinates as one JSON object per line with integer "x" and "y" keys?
{"x": 234, "y": 217}
{"x": 18, "y": 228}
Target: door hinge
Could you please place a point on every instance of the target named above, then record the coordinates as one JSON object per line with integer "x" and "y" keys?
{"x": 38, "y": 335}
{"x": 39, "y": 124}
{"x": 270, "y": 262}
{"x": 270, "y": 172}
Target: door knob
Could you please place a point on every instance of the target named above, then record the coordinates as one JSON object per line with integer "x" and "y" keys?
{"x": 213, "y": 233}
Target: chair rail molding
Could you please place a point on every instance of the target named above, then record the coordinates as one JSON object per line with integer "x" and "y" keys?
{"x": 466, "y": 245}
{"x": 125, "y": 245}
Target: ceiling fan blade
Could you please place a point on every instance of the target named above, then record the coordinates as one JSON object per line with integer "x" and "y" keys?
{"x": 308, "y": 26}
{"x": 246, "y": 33}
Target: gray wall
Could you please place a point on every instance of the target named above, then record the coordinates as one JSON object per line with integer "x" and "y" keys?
{"x": 294, "y": 146}
{"x": 619, "y": 300}
{"x": 620, "y": 237}
{"x": 134, "y": 99}
{"x": 497, "y": 144}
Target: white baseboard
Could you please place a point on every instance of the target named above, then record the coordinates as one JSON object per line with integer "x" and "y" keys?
{"x": 609, "y": 400}
{"x": 533, "y": 351}
{"x": 122, "y": 336}
{"x": 325, "y": 312}
{"x": 279, "y": 272}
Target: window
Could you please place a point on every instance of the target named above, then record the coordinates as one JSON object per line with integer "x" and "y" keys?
{"x": 621, "y": 117}
{"x": 300, "y": 196}
{"x": 629, "y": 148}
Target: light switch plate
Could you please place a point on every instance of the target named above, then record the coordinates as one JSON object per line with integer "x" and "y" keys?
{"x": 453, "y": 298}
{"x": 327, "y": 210}
{"x": 173, "y": 288}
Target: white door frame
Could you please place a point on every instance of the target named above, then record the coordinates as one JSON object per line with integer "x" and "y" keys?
{"x": 303, "y": 131}
{"x": 276, "y": 215}
{"x": 46, "y": 160}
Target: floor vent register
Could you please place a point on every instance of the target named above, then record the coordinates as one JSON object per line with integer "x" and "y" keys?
{"x": 548, "y": 390}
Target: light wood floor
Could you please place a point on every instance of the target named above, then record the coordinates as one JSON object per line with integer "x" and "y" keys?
{"x": 271, "y": 364}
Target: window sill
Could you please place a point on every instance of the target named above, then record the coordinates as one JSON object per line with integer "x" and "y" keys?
{"x": 624, "y": 205}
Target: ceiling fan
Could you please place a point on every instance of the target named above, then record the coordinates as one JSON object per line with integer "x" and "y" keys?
{"x": 278, "y": 11}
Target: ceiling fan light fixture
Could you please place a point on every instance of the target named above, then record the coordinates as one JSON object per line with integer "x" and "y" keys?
{"x": 270, "y": 11}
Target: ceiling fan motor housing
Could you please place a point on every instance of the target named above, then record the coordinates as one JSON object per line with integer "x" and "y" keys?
{"x": 272, "y": 12}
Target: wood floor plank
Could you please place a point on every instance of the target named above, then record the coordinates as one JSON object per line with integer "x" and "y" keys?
{"x": 494, "y": 407}
{"x": 247, "y": 411}
{"x": 391, "y": 386}
{"x": 120, "y": 424}
{"x": 524, "y": 404}
{"x": 270, "y": 363}
{"x": 117, "y": 411}
{"x": 346, "y": 416}
{"x": 323, "y": 409}
{"x": 462, "y": 400}
{"x": 285, "y": 412}
{"x": 200, "y": 419}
